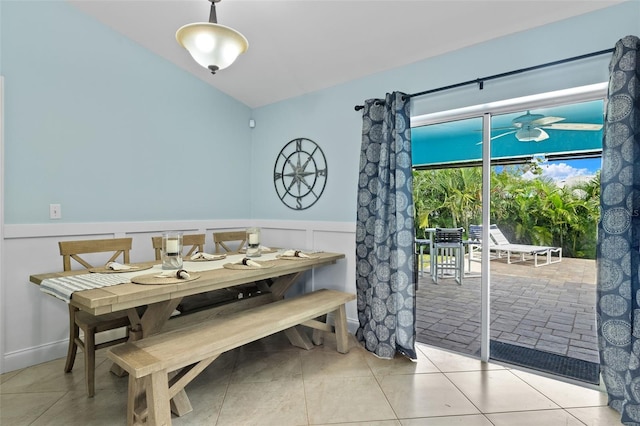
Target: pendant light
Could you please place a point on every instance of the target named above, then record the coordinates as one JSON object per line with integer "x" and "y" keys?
{"x": 212, "y": 45}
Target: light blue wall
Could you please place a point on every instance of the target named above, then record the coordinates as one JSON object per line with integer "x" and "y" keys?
{"x": 79, "y": 98}
{"x": 110, "y": 130}
{"x": 328, "y": 117}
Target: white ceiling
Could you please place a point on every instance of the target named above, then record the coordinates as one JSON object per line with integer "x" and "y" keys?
{"x": 300, "y": 46}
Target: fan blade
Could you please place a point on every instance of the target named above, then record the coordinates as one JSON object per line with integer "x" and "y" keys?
{"x": 544, "y": 121}
{"x": 532, "y": 135}
{"x": 499, "y": 136}
{"x": 574, "y": 126}
{"x": 529, "y": 120}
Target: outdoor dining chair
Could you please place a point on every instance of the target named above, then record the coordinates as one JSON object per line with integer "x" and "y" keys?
{"x": 448, "y": 254}
{"x": 92, "y": 324}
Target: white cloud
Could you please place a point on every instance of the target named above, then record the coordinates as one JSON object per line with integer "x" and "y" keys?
{"x": 562, "y": 173}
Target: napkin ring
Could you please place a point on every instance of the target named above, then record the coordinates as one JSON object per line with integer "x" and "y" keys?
{"x": 245, "y": 261}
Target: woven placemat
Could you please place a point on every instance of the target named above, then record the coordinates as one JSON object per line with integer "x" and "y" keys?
{"x": 154, "y": 279}
{"x": 271, "y": 250}
{"x": 105, "y": 270}
{"x": 309, "y": 256}
{"x": 217, "y": 257}
{"x": 263, "y": 265}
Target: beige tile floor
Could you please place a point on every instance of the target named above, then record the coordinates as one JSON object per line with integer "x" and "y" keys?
{"x": 269, "y": 382}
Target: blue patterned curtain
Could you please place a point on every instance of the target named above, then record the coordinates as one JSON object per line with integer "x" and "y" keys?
{"x": 384, "y": 230}
{"x": 618, "y": 254}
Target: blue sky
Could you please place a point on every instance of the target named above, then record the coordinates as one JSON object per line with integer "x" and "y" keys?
{"x": 561, "y": 170}
{"x": 565, "y": 170}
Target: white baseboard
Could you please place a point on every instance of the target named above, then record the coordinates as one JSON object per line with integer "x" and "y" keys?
{"x": 32, "y": 356}
{"x": 43, "y": 322}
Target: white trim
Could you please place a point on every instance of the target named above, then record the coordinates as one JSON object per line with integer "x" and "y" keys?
{"x": 485, "y": 270}
{"x": 107, "y": 228}
{"x": 43, "y": 321}
{"x": 591, "y": 92}
{"x": 121, "y": 228}
{"x": 2, "y": 205}
{"x": 348, "y": 227}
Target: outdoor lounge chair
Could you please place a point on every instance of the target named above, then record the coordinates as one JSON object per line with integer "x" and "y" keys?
{"x": 500, "y": 245}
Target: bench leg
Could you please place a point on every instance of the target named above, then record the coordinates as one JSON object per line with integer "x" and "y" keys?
{"x": 342, "y": 332}
{"x": 148, "y": 400}
{"x": 136, "y": 404}
{"x": 298, "y": 339}
{"x": 180, "y": 404}
{"x": 158, "y": 399}
{"x": 318, "y": 335}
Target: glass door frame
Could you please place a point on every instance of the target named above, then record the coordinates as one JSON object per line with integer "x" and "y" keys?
{"x": 486, "y": 111}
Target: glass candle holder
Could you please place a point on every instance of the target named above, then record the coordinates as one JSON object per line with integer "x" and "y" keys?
{"x": 172, "y": 250}
{"x": 253, "y": 242}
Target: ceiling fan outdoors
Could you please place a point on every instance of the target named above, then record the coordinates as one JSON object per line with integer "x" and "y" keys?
{"x": 530, "y": 127}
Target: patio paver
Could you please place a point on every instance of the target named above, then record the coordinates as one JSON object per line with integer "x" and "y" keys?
{"x": 549, "y": 308}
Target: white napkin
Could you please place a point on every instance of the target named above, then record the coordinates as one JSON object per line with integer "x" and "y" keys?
{"x": 248, "y": 262}
{"x": 199, "y": 255}
{"x": 180, "y": 273}
{"x": 117, "y": 266}
{"x": 294, "y": 253}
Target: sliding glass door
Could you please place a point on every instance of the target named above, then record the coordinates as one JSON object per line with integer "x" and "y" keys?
{"x": 543, "y": 220}
{"x": 448, "y": 194}
{"x": 522, "y": 179}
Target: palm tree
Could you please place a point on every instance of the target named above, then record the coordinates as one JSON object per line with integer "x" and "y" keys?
{"x": 531, "y": 211}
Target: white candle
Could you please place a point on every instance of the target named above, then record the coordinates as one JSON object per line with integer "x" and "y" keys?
{"x": 172, "y": 246}
{"x": 253, "y": 239}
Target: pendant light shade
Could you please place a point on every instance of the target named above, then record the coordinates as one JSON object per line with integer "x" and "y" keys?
{"x": 211, "y": 45}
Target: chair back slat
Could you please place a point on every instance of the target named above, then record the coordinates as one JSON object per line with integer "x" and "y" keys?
{"x": 73, "y": 249}
{"x": 221, "y": 240}
{"x": 448, "y": 235}
{"x": 475, "y": 232}
{"x": 191, "y": 242}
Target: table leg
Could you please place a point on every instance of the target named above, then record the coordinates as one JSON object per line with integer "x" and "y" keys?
{"x": 282, "y": 284}
{"x": 156, "y": 316}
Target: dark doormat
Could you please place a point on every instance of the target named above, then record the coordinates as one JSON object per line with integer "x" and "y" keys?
{"x": 559, "y": 365}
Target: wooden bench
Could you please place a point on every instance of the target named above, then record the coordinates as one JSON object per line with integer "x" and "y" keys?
{"x": 188, "y": 351}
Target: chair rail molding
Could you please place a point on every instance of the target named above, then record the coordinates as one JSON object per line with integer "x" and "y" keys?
{"x": 33, "y": 248}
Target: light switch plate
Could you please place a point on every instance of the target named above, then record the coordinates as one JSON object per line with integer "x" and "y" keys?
{"x": 55, "y": 211}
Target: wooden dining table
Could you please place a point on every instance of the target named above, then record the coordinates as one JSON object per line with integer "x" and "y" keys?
{"x": 149, "y": 307}
{"x": 160, "y": 301}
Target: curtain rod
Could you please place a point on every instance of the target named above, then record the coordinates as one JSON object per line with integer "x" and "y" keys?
{"x": 480, "y": 81}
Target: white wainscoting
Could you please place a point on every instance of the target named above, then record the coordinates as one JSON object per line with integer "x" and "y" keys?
{"x": 34, "y": 325}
